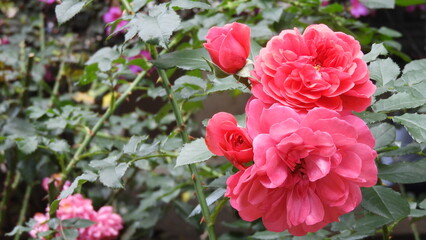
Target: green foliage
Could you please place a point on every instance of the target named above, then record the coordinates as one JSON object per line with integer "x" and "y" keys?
{"x": 404, "y": 172}
{"x": 385, "y": 202}
{"x": 193, "y": 152}
{"x": 68, "y": 9}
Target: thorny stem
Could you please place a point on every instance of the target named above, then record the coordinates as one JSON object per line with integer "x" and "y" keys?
{"x": 385, "y": 232}
{"x": 61, "y": 72}
{"x": 185, "y": 138}
{"x": 92, "y": 133}
{"x": 23, "y": 209}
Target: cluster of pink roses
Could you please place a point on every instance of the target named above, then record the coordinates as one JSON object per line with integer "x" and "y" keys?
{"x": 107, "y": 224}
{"x": 303, "y": 155}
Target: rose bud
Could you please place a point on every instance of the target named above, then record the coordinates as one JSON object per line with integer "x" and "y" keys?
{"x": 229, "y": 46}
{"x": 225, "y": 138}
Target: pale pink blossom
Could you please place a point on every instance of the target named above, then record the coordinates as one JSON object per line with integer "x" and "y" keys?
{"x": 40, "y": 224}
{"x": 308, "y": 167}
{"x": 319, "y": 68}
{"x": 107, "y": 225}
{"x": 358, "y": 9}
{"x": 56, "y": 178}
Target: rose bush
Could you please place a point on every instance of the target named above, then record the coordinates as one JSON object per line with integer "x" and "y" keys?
{"x": 319, "y": 68}
{"x": 229, "y": 46}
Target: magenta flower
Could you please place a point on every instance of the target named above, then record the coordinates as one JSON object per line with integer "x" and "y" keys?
{"x": 111, "y": 15}
{"x": 48, "y": 1}
{"x": 358, "y": 9}
{"x": 135, "y": 68}
{"x": 308, "y": 167}
{"x": 413, "y": 8}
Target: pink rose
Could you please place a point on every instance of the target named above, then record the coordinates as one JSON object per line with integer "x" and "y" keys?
{"x": 308, "y": 167}
{"x": 358, "y": 9}
{"x": 57, "y": 179}
{"x": 40, "y": 224}
{"x": 225, "y": 138}
{"x": 107, "y": 225}
{"x": 319, "y": 68}
{"x": 111, "y": 15}
{"x": 229, "y": 46}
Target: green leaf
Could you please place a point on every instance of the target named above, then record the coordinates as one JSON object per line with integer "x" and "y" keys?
{"x": 371, "y": 117}
{"x": 267, "y": 235}
{"x": 138, "y": 4}
{"x": 156, "y": 28}
{"x": 389, "y": 32}
{"x": 137, "y": 146}
{"x": 422, "y": 204}
{"x": 68, "y": 9}
{"x": 408, "y": 149}
{"x": 384, "y": 134}
{"x": 375, "y": 4}
{"x": 376, "y": 50}
{"x": 225, "y": 84}
{"x": 77, "y": 222}
{"x": 28, "y": 144}
{"x": 404, "y": 172}
{"x": 405, "y": 3}
{"x": 57, "y": 123}
{"x": 385, "y": 202}
{"x": 188, "y": 4}
{"x": 143, "y": 164}
{"x": 333, "y": 8}
{"x": 110, "y": 172}
{"x": 89, "y": 74}
{"x": 104, "y": 58}
{"x": 59, "y": 146}
{"x": 415, "y": 125}
{"x": 369, "y": 223}
{"x": 78, "y": 181}
{"x": 273, "y": 14}
{"x": 193, "y": 152}
{"x": 70, "y": 233}
{"x": 398, "y": 101}
{"x": 415, "y": 65}
{"x": 35, "y": 112}
{"x": 383, "y": 71}
{"x": 213, "y": 197}
{"x": 185, "y": 59}
{"x": 18, "y": 229}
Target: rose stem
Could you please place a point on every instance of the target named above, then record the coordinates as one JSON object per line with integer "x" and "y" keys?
{"x": 185, "y": 138}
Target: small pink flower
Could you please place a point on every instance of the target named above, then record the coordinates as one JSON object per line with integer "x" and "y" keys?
{"x": 413, "y": 8}
{"x": 225, "y": 138}
{"x": 358, "y": 9}
{"x": 111, "y": 15}
{"x": 143, "y": 54}
{"x": 48, "y": 1}
{"x": 319, "y": 68}
{"x": 308, "y": 167}
{"x": 41, "y": 224}
{"x": 229, "y": 46}
{"x": 56, "y": 178}
{"x": 75, "y": 206}
{"x": 325, "y": 3}
{"x": 107, "y": 225}
{"x": 4, "y": 41}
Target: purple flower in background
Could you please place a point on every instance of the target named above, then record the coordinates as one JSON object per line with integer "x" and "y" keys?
{"x": 111, "y": 15}
{"x": 358, "y": 9}
{"x": 135, "y": 68}
{"x": 48, "y": 1}
{"x": 413, "y": 8}
{"x": 325, "y": 3}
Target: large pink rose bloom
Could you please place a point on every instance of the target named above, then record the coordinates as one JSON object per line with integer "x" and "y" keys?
{"x": 308, "y": 168}
{"x": 319, "y": 68}
{"x": 225, "y": 138}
